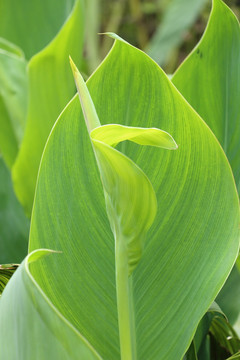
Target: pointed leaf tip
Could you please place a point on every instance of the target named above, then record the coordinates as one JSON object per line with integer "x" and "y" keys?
{"x": 88, "y": 108}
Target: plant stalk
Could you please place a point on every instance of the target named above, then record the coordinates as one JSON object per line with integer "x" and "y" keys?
{"x": 126, "y": 322}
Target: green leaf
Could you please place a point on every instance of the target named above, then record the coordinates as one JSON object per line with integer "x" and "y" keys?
{"x": 50, "y": 87}
{"x": 33, "y": 24}
{"x": 177, "y": 19}
{"x": 13, "y": 99}
{"x": 34, "y": 318}
{"x": 14, "y": 226}
{"x": 130, "y": 215}
{"x": 193, "y": 243}
{"x": 113, "y": 134}
{"x": 210, "y": 81}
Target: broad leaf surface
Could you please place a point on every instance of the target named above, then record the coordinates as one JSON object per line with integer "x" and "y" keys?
{"x": 193, "y": 242}
{"x": 31, "y": 327}
{"x": 210, "y": 81}
{"x": 31, "y": 24}
{"x": 13, "y": 99}
{"x": 14, "y": 226}
{"x": 50, "y": 87}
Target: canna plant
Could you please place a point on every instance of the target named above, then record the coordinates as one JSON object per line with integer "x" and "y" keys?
{"x": 129, "y": 242}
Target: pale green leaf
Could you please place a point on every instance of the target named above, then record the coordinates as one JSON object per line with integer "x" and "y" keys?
{"x": 113, "y": 134}
{"x": 50, "y": 87}
{"x": 31, "y": 327}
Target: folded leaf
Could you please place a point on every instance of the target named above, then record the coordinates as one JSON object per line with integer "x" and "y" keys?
{"x": 113, "y": 134}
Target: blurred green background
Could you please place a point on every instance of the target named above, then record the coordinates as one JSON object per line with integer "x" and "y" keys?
{"x": 166, "y": 29}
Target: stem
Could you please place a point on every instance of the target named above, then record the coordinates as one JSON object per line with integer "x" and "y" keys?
{"x": 124, "y": 303}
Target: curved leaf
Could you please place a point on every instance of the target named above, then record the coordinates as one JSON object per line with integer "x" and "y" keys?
{"x": 44, "y": 18}
{"x": 210, "y": 80}
{"x": 13, "y": 99}
{"x": 50, "y": 87}
{"x": 32, "y": 316}
{"x": 193, "y": 243}
{"x": 113, "y": 134}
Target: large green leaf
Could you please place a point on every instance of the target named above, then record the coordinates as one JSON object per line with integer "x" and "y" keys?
{"x": 13, "y": 99}
{"x": 177, "y": 19}
{"x": 193, "y": 242}
{"x": 50, "y": 87}
{"x": 210, "y": 81}
{"x": 14, "y": 226}
{"x": 31, "y": 24}
{"x": 31, "y": 327}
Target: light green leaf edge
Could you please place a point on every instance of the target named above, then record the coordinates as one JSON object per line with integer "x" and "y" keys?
{"x": 33, "y": 316}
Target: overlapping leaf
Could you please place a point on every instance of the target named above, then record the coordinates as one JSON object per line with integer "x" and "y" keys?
{"x": 50, "y": 87}
{"x": 13, "y": 99}
{"x": 191, "y": 246}
{"x": 33, "y": 328}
